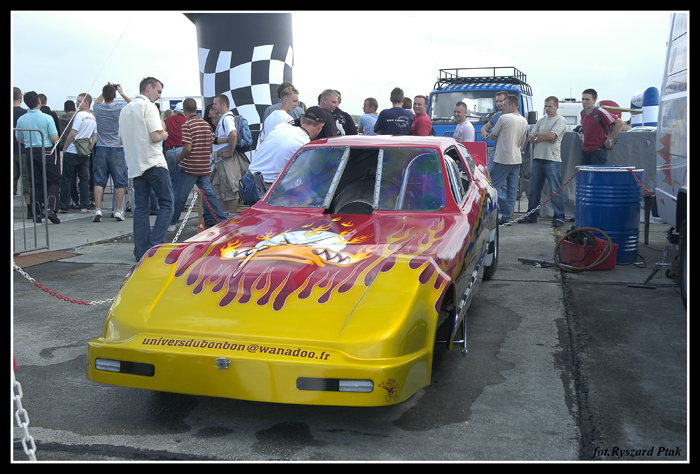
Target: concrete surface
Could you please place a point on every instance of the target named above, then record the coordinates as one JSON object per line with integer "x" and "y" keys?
{"x": 561, "y": 366}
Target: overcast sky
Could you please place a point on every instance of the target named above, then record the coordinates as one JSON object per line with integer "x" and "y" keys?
{"x": 359, "y": 53}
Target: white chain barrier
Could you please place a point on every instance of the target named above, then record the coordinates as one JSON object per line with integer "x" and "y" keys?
{"x": 22, "y": 419}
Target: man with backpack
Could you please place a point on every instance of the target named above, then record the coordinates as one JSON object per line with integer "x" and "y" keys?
{"x": 226, "y": 172}
{"x": 600, "y": 130}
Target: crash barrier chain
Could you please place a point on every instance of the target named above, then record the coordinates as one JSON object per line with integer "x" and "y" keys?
{"x": 22, "y": 419}
{"x": 527, "y": 214}
{"x": 107, "y": 301}
{"x": 53, "y": 293}
{"x": 187, "y": 215}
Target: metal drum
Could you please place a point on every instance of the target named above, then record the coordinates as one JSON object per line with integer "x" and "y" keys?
{"x": 609, "y": 198}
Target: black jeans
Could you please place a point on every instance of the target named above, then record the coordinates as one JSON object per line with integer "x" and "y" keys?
{"x": 36, "y": 171}
{"x": 74, "y": 165}
{"x": 597, "y": 157}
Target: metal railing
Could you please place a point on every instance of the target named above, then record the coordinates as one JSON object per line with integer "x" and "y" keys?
{"x": 22, "y": 231}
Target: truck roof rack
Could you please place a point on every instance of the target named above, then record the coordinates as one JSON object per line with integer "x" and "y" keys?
{"x": 482, "y": 75}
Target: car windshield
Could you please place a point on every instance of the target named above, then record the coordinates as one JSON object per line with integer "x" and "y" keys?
{"x": 360, "y": 180}
{"x": 481, "y": 105}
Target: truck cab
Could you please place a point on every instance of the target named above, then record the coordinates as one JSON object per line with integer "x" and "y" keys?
{"x": 477, "y": 88}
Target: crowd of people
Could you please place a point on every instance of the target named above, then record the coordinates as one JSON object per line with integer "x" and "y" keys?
{"x": 157, "y": 161}
{"x": 509, "y": 132}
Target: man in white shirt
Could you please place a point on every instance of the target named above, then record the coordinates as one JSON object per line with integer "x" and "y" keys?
{"x": 272, "y": 155}
{"x": 464, "y": 132}
{"x": 84, "y": 127}
{"x": 226, "y": 172}
{"x": 289, "y": 101}
{"x": 141, "y": 133}
{"x": 510, "y": 133}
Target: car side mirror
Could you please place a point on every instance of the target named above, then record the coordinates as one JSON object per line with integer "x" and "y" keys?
{"x": 532, "y": 117}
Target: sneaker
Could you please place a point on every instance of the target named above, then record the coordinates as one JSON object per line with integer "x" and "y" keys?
{"x": 527, "y": 220}
{"x": 98, "y": 216}
{"x": 557, "y": 223}
{"x": 53, "y": 217}
{"x": 118, "y": 216}
{"x": 84, "y": 211}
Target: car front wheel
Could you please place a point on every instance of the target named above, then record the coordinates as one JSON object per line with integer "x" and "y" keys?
{"x": 490, "y": 270}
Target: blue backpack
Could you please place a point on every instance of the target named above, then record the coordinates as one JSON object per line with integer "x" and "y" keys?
{"x": 245, "y": 138}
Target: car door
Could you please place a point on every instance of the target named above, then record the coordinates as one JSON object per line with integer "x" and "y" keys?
{"x": 468, "y": 193}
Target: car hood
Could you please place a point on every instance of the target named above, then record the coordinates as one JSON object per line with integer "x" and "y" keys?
{"x": 301, "y": 274}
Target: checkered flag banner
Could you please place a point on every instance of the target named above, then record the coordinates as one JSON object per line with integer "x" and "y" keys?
{"x": 245, "y": 56}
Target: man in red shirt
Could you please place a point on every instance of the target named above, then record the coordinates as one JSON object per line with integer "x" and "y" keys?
{"x": 173, "y": 145}
{"x": 422, "y": 125}
{"x": 596, "y": 140}
{"x": 194, "y": 167}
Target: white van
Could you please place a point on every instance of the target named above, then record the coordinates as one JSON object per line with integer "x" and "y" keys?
{"x": 570, "y": 109}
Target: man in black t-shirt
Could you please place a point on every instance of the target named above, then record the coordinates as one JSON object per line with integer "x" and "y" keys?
{"x": 396, "y": 120}
{"x": 327, "y": 103}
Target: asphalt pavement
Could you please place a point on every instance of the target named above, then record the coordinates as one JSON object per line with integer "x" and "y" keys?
{"x": 624, "y": 331}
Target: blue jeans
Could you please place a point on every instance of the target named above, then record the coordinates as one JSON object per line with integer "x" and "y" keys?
{"x": 550, "y": 171}
{"x": 249, "y": 191}
{"x": 110, "y": 161}
{"x": 505, "y": 179}
{"x": 156, "y": 179}
{"x": 171, "y": 155}
{"x": 489, "y": 160}
{"x": 597, "y": 157}
{"x": 183, "y": 185}
{"x": 74, "y": 165}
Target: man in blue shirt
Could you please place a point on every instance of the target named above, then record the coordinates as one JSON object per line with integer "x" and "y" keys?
{"x": 366, "y": 123}
{"x": 396, "y": 120}
{"x": 33, "y": 140}
{"x": 500, "y": 98}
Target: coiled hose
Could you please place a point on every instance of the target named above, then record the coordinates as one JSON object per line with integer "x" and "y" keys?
{"x": 603, "y": 255}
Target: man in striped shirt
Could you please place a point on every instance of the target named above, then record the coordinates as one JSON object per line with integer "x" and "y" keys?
{"x": 194, "y": 164}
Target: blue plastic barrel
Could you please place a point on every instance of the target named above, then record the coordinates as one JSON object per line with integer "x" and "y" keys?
{"x": 609, "y": 198}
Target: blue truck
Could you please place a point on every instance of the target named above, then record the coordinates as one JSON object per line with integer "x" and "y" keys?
{"x": 477, "y": 88}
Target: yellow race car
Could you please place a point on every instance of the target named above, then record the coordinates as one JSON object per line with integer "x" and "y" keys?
{"x": 328, "y": 291}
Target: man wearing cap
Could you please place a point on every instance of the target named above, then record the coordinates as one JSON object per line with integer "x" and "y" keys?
{"x": 272, "y": 155}
{"x": 173, "y": 145}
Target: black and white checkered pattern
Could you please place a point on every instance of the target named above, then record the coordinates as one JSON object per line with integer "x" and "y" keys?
{"x": 250, "y": 79}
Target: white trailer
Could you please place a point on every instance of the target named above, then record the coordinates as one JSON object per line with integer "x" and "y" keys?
{"x": 671, "y": 192}
{"x": 570, "y": 109}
